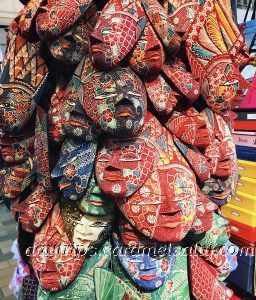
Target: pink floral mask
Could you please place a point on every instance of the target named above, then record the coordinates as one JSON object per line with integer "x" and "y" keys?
{"x": 116, "y": 101}
{"x": 118, "y": 29}
{"x": 55, "y": 261}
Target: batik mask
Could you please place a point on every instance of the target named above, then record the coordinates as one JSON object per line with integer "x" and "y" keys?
{"x": 74, "y": 45}
{"x": 162, "y": 95}
{"x": 147, "y": 270}
{"x": 35, "y": 209}
{"x": 16, "y": 149}
{"x": 22, "y": 81}
{"x": 74, "y": 168}
{"x": 190, "y": 127}
{"x": 58, "y": 16}
{"x": 76, "y": 124}
{"x": 95, "y": 203}
{"x": 183, "y": 80}
{"x": 162, "y": 25}
{"x": 116, "y": 101}
{"x": 123, "y": 166}
{"x": 210, "y": 55}
{"x": 83, "y": 286}
{"x": 204, "y": 280}
{"x": 119, "y": 27}
{"x": 55, "y": 261}
{"x": 148, "y": 56}
{"x": 15, "y": 179}
{"x": 86, "y": 232}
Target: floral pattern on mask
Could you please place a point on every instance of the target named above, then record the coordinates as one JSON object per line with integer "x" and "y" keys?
{"x": 55, "y": 261}
{"x": 118, "y": 29}
{"x": 74, "y": 168}
{"x": 147, "y": 271}
{"x": 116, "y": 101}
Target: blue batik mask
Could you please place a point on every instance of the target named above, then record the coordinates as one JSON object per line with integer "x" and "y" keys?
{"x": 74, "y": 168}
{"x": 146, "y": 267}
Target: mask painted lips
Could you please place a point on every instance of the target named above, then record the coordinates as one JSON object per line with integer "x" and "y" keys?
{"x": 64, "y": 185}
{"x": 125, "y": 112}
{"x": 148, "y": 277}
{"x": 113, "y": 177}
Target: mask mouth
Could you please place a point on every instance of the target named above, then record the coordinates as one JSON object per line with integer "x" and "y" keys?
{"x": 124, "y": 108}
{"x": 149, "y": 277}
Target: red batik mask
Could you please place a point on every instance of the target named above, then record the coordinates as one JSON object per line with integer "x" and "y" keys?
{"x": 183, "y": 80}
{"x": 118, "y": 29}
{"x": 148, "y": 55}
{"x": 162, "y": 25}
{"x": 204, "y": 280}
{"x": 54, "y": 259}
{"x": 35, "y": 209}
{"x": 164, "y": 207}
{"x": 58, "y": 16}
{"x": 210, "y": 55}
{"x": 190, "y": 127}
{"x": 162, "y": 95}
{"x": 116, "y": 101}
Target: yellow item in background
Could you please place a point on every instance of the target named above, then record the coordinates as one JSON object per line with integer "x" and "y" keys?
{"x": 244, "y": 200}
{"x": 247, "y": 168}
{"x": 239, "y": 214}
{"x": 247, "y": 185}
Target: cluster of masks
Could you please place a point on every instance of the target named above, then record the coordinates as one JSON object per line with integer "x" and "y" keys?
{"x": 116, "y": 148}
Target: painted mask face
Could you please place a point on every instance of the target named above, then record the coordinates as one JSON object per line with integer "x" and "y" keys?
{"x": 22, "y": 81}
{"x": 83, "y": 285}
{"x": 116, "y": 101}
{"x": 116, "y": 32}
{"x": 148, "y": 56}
{"x": 95, "y": 203}
{"x": 219, "y": 78}
{"x": 123, "y": 166}
{"x": 74, "y": 168}
{"x": 85, "y": 231}
{"x": 55, "y": 261}
{"x": 76, "y": 124}
{"x": 161, "y": 95}
{"x": 190, "y": 127}
{"x": 74, "y": 45}
{"x": 58, "y": 16}
{"x": 35, "y": 209}
{"x": 145, "y": 270}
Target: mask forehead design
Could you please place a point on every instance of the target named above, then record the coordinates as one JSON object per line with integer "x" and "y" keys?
{"x": 116, "y": 32}
{"x": 74, "y": 168}
{"x": 116, "y": 101}
{"x": 54, "y": 259}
